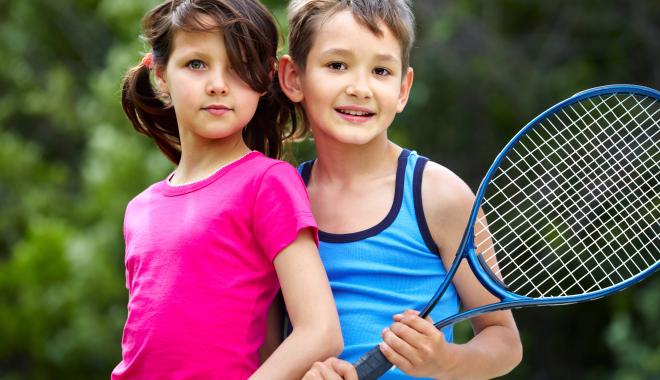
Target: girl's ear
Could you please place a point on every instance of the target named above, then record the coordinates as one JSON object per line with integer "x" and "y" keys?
{"x": 404, "y": 92}
{"x": 161, "y": 80}
{"x": 289, "y": 76}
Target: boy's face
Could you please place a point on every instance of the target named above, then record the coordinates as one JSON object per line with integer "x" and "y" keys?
{"x": 353, "y": 85}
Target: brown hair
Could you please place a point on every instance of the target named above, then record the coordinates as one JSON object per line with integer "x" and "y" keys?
{"x": 306, "y": 16}
{"x": 251, "y": 37}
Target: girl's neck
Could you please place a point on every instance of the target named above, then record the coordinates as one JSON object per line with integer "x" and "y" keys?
{"x": 347, "y": 163}
{"x": 200, "y": 159}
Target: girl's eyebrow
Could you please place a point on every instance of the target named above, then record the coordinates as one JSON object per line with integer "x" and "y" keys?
{"x": 192, "y": 52}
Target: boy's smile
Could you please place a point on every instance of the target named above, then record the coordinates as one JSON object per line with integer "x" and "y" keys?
{"x": 353, "y": 85}
{"x": 355, "y": 114}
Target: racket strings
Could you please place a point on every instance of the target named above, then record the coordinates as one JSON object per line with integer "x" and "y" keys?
{"x": 583, "y": 264}
{"x": 531, "y": 168}
{"x": 552, "y": 204}
{"x": 569, "y": 204}
{"x": 510, "y": 181}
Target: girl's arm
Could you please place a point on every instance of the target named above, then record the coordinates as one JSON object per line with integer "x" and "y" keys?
{"x": 275, "y": 326}
{"x": 316, "y": 331}
{"x": 413, "y": 344}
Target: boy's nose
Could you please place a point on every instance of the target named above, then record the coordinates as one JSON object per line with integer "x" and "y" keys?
{"x": 360, "y": 90}
{"x": 359, "y": 85}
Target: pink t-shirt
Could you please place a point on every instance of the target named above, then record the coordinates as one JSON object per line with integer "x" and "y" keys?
{"x": 199, "y": 269}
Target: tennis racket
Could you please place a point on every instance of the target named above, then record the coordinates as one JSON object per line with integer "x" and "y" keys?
{"x": 570, "y": 208}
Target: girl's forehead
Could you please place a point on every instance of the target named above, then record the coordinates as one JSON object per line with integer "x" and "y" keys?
{"x": 185, "y": 38}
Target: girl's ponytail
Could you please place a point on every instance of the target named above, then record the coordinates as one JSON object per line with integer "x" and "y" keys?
{"x": 148, "y": 113}
{"x": 273, "y": 123}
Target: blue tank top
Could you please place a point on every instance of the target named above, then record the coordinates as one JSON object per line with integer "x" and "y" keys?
{"x": 385, "y": 269}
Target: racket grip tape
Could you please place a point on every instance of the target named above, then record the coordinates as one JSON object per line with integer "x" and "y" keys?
{"x": 372, "y": 365}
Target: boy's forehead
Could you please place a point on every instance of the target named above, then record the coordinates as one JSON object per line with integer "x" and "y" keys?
{"x": 343, "y": 30}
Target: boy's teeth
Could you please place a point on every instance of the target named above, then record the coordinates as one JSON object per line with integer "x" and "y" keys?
{"x": 354, "y": 113}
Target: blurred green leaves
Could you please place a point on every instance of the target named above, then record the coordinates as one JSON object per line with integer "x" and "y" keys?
{"x": 70, "y": 162}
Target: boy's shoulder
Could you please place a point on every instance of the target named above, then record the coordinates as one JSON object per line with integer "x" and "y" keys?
{"x": 444, "y": 192}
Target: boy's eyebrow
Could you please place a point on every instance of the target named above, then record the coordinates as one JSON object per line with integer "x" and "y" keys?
{"x": 346, "y": 52}
{"x": 336, "y": 51}
{"x": 387, "y": 57}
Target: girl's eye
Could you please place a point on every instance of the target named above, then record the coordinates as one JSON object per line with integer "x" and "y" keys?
{"x": 337, "y": 66}
{"x": 196, "y": 64}
{"x": 382, "y": 71}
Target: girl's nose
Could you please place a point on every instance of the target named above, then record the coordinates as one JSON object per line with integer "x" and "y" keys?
{"x": 217, "y": 85}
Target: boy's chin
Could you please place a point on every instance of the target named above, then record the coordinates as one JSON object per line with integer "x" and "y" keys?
{"x": 359, "y": 137}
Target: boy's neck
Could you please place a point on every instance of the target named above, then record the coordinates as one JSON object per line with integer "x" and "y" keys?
{"x": 348, "y": 162}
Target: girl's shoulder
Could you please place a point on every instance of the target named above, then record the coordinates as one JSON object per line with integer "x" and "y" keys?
{"x": 267, "y": 166}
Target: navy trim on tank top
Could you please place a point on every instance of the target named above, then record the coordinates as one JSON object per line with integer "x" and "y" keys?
{"x": 378, "y": 228}
{"x": 419, "y": 207}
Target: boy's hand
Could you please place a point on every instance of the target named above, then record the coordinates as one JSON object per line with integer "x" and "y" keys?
{"x": 331, "y": 369}
{"x": 416, "y": 347}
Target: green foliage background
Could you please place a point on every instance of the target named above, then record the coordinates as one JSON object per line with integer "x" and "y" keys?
{"x": 70, "y": 162}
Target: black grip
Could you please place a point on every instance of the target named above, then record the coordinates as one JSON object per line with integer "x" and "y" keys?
{"x": 372, "y": 365}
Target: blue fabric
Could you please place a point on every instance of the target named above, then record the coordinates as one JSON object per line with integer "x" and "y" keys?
{"x": 385, "y": 269}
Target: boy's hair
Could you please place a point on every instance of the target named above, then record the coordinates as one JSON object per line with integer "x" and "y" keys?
{"x": 251, "y": 37}
{"x": 306, "y": 16}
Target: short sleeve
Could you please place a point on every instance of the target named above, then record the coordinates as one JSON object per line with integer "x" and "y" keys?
{"x": 281, "y": 209}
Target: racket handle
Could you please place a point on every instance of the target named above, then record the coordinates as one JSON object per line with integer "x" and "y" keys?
{"x": 372, "y": 365}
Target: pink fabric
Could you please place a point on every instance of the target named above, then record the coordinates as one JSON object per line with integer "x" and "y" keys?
{"x": 199, "y": 269}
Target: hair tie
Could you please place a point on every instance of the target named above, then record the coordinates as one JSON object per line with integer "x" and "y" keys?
{"x": 148, "y": 60}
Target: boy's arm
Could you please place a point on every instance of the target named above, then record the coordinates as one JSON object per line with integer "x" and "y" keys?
{"x": 316, "y": 332}
{"x": 414, "y": 344}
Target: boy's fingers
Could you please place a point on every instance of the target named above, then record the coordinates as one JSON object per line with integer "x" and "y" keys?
{"x": 321, "y": 371}
{"x": 328, "y": 373}
{"x": 395, "y": 358}
{"x": 313, "y": 373}
{"x": 409, "y": 312}
{"x": 402, "y": 342}
{"x": 343, "y": 368}
{"x": 422, "y": 326}
{"x": 407, "y": 334}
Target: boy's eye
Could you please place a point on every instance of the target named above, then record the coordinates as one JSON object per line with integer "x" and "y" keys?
{"x": 196, "y": 64}
{"x": 337, "y": 66}
{"x": 382, "y": 71}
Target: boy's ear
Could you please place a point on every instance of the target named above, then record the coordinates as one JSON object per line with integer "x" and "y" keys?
{"x": 404, "y": 93}
{"x": 289, "y": 76}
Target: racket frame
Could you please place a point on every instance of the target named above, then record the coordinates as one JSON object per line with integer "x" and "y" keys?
{"x": 509, "y": 300}
{"x": 373, "y": 364}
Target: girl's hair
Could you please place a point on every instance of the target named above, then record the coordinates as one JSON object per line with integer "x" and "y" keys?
{"x": 307, "y": 16}
{"x": 251, "y": 37}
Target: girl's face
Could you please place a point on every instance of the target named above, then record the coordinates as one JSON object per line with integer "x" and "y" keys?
{"x": 210, "y": 100}
{"x": 353, "y": 85}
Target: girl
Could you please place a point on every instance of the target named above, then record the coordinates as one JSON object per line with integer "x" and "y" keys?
{"x": 385, "y": 213}
{"x": 208, "y": 247}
